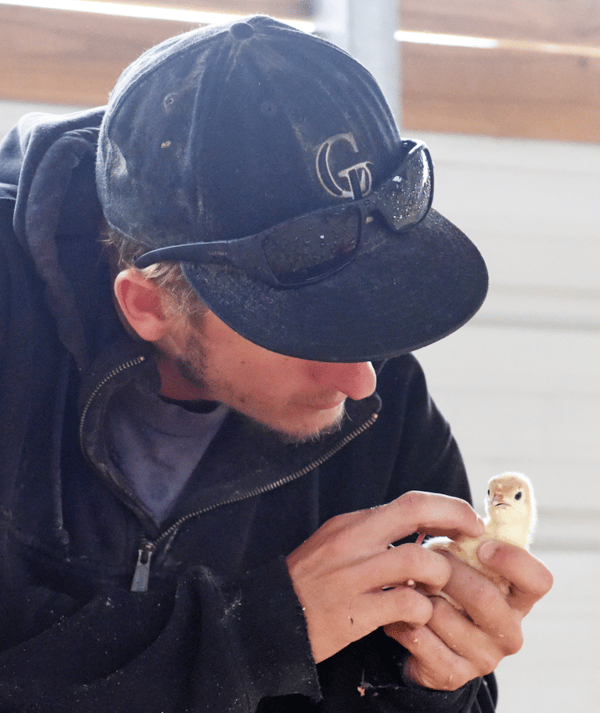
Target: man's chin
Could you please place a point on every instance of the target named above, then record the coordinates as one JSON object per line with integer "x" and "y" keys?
{"x": 306, "y": 433}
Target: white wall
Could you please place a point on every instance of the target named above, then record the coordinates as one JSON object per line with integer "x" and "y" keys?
{"x": 11, "y": 112}
{"x": 521, "y": 382}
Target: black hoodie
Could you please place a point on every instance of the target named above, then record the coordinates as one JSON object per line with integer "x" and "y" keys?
{"x": 216, "y": 626}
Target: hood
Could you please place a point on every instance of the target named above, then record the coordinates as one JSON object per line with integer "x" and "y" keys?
{"x": 47, "y": 172}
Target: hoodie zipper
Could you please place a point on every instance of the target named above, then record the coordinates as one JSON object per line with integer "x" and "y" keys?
{"x": 100, "y": 385}
{"x": 147, "y": 548}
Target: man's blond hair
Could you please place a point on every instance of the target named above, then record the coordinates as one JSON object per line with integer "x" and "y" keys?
{"x": 180, "y": 298}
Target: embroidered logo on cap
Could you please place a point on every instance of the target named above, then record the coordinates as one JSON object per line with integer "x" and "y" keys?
{"x": 342, "y": 183}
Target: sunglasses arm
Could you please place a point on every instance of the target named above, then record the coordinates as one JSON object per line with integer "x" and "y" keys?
{"x": 244, "y": 253}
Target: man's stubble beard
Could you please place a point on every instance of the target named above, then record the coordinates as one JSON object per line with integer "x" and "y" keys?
{"x": 300, "y": 438}
{"x": 192, "y": 366}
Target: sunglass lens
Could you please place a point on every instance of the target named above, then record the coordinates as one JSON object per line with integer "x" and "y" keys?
{"x": 405, "y": 199}
{"x": 312, "y": 247}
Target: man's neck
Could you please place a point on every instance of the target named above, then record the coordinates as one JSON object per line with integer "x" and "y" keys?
{"x": 175, "y": 386}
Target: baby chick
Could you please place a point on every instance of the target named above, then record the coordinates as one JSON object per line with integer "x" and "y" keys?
{"x": 511, "y": 516}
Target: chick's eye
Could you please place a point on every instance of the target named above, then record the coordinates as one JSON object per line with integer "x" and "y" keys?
{"x": 488, "y": 492}
{"x": 519, "y": 495}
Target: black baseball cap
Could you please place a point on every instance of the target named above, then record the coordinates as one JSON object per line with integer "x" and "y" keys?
{"x": 258, "y": 129}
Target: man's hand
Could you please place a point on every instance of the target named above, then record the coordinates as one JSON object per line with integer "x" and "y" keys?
{"x": 455, "y": 647}
{"x": 350, "y": 581}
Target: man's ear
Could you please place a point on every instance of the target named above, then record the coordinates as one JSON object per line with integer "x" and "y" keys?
{"x": 140, "y": 304}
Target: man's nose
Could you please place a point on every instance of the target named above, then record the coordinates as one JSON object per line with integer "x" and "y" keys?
{"x": 357, "y": 380}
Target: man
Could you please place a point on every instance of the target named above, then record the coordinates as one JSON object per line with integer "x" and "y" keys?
{"x": 206, "y": 504}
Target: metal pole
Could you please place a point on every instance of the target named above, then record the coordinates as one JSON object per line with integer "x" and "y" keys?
{"x": 366, "y": 30}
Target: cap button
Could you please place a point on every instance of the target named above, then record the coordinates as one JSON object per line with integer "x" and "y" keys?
{"x": 241, "y": 30}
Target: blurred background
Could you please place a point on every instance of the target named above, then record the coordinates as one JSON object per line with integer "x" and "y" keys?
{"x": 507, "y": 95}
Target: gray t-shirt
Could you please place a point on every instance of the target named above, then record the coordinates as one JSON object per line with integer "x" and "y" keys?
{"x": 157, "y": 444}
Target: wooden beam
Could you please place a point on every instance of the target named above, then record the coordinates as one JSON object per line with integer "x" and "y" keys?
{"x": 73, "y": 58}
{"x": 62, "y": 57}
{"x": 501, "y": 93}
{"x": 290, "y": 9}
{"x": 562, "y": 21}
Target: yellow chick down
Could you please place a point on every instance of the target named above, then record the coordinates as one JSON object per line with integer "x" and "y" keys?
{"x": 511, "y": 517}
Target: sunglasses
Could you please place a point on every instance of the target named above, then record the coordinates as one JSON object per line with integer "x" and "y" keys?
{"x": 313, "y": 246}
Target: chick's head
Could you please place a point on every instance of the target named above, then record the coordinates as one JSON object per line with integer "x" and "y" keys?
{"x": 511, "y": 507}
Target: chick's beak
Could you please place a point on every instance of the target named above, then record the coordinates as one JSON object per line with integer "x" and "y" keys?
{"x": 498, "y": 499}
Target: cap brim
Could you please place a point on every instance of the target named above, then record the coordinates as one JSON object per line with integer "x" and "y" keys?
{"x": 400, "y": 293}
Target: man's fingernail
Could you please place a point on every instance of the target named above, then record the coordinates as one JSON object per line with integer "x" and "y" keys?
{"x": 487, "y": 549}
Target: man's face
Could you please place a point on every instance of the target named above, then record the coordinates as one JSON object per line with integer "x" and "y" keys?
{"x": 298, "y": 398}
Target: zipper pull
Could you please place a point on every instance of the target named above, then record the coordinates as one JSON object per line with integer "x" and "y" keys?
{"x": 141, "y": 575}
